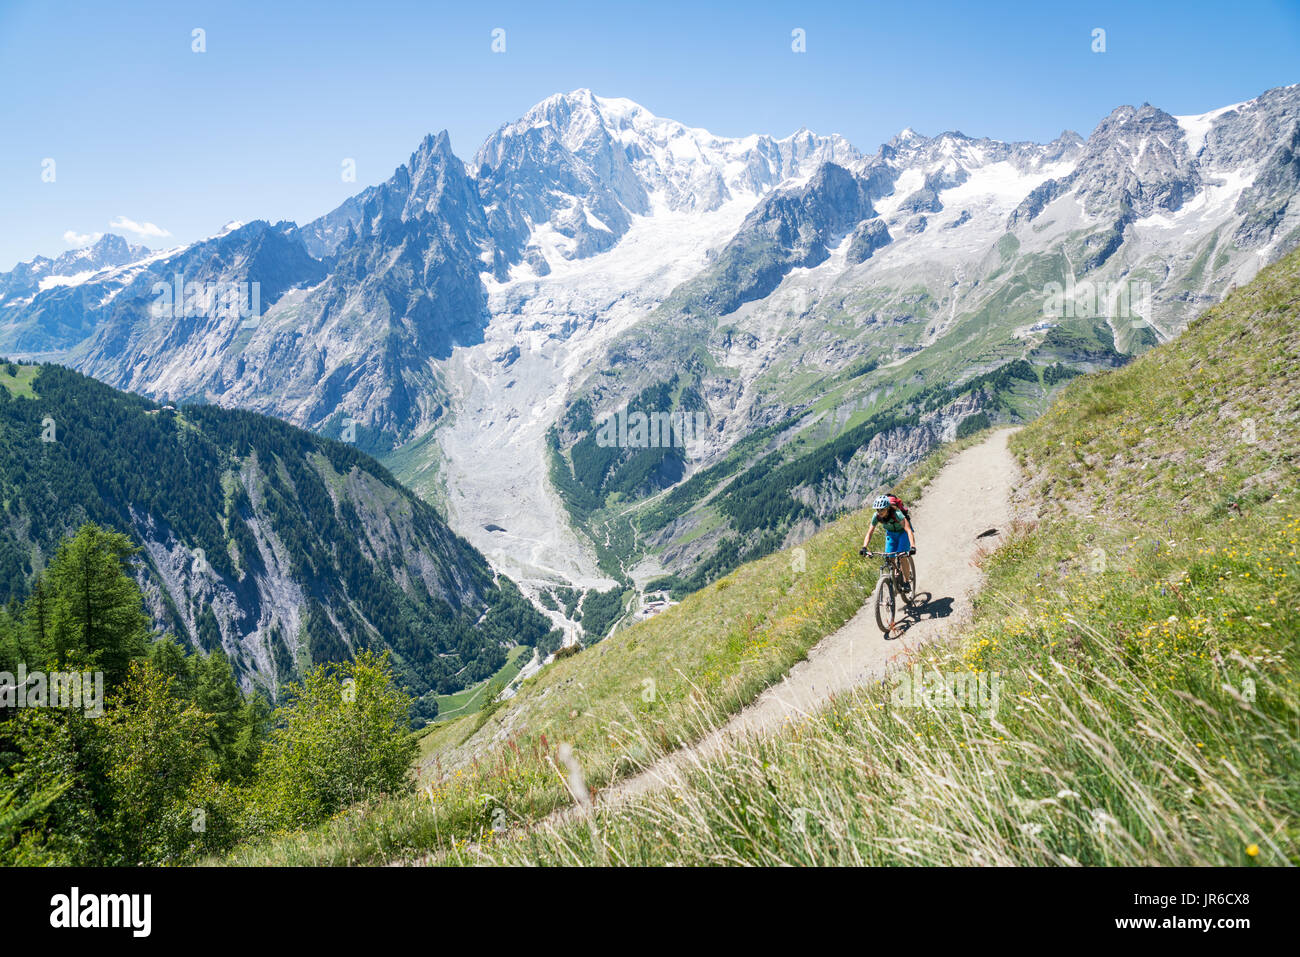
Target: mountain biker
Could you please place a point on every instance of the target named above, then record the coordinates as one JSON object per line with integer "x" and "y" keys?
{"x": 899, "y": 536}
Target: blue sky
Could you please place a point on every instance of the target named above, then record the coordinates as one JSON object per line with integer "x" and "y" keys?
{"x": 145, "y": 130}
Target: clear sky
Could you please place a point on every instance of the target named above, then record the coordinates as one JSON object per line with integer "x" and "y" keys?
{"x": 145, "y": 132}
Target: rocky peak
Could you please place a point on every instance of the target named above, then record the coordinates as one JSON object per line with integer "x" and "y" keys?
{"x": 1136, "y": 158}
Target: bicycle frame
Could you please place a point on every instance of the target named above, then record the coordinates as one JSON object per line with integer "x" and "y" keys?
{"x": 891, "y": 563}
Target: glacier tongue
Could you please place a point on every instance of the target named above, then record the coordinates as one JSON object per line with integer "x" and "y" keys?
{"x": 506, "y": 392}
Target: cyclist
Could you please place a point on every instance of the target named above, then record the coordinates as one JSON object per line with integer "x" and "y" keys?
{"x": 899, "y": 536}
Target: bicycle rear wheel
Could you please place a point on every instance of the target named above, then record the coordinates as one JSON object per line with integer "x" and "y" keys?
{"x": 909, "y": 597}
{"x": 884, "y": 603}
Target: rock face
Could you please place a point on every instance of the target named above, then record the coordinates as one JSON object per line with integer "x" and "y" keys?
{"x": 806, "y": 219}
{"x": 1268, "y": 200}
{"x": 1136, "y": 158}
{"x": 791, "y": 228}
{"x": 404, "y": 289}
{"x": 282, "y": 548}
{"x": 961, "y": 220}
{"x": 886, "y": 456}
{"x": 1036, "y": 202}
{"x": 926, "y": 199}
{"x": 867, "y": 238}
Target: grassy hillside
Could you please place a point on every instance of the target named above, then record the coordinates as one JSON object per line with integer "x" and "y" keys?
{"x": 17, "y": 379}
{"x": 1141, "y": 624}
{"x": 470, "y": 700}
{"x": 1142, "y": 631}
{"x": 621, "y": 703}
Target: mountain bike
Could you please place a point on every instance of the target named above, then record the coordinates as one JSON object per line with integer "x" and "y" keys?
{"x": 890, "y": 586}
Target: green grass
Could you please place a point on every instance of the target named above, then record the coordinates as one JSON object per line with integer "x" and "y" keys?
{"x": 468, "y": 700}
{"x": 418, "y": 466}
{"x": 1143, "y": 632}
{"x": 19, "y": 383}
{"x": 1134, "y": 727}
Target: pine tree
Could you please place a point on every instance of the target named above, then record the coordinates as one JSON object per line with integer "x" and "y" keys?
{"x": 168, "y": 658}
{"x": 10, "y": 650}
{"x": 97, "y": 610}
{"x": 254, "y": 726}
{"x": 35, "y": 641}
{"x": 217, "y": 695}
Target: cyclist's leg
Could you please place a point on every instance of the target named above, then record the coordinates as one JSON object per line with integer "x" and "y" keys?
{"x": 904, "y": 545}
{"x": 899, "y": 542}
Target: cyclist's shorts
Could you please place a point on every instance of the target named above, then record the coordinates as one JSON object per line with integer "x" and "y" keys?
{"x": 897, "y": 542}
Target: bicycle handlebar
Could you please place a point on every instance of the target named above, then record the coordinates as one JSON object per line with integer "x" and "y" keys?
{"x": 866, "y": 554}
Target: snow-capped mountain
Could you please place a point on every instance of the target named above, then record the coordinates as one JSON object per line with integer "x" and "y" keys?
{"x": 67, "y": 269}
{"x": 155, "y": 338}
{"x": 566, "y": 180}
{"x": 349, "y": 342}
{"x": 592, "y": 254}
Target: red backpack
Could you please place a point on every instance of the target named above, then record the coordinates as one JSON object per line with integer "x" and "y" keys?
{"x": 897, "y": 503}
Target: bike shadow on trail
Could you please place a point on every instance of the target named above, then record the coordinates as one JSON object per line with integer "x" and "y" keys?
{"x": 926, "y": 608}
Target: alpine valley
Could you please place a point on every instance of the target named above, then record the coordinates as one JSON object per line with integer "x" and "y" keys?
{"x": 282, "y": 548}
{"x": 811, "y": 318}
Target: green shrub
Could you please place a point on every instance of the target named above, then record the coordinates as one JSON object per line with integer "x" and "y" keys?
{"x": 340, "y": 740}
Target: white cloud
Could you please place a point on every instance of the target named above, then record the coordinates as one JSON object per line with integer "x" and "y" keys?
{"x": 74, "y": 238}
{"x": 140, "y": 229}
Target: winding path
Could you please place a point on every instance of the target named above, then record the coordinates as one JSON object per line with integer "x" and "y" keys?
{"x": 970, "y": 496}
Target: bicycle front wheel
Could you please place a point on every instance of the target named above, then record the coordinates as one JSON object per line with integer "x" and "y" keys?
{"x": 884, "y": 602}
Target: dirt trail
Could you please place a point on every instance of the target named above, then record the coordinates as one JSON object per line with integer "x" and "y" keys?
{"x": 968, "y": 497}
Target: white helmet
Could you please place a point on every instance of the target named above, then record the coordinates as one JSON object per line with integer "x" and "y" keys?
{"x": 882, "y": 501}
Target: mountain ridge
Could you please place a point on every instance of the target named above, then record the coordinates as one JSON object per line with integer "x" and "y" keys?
{"x": 592, "y": 252}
